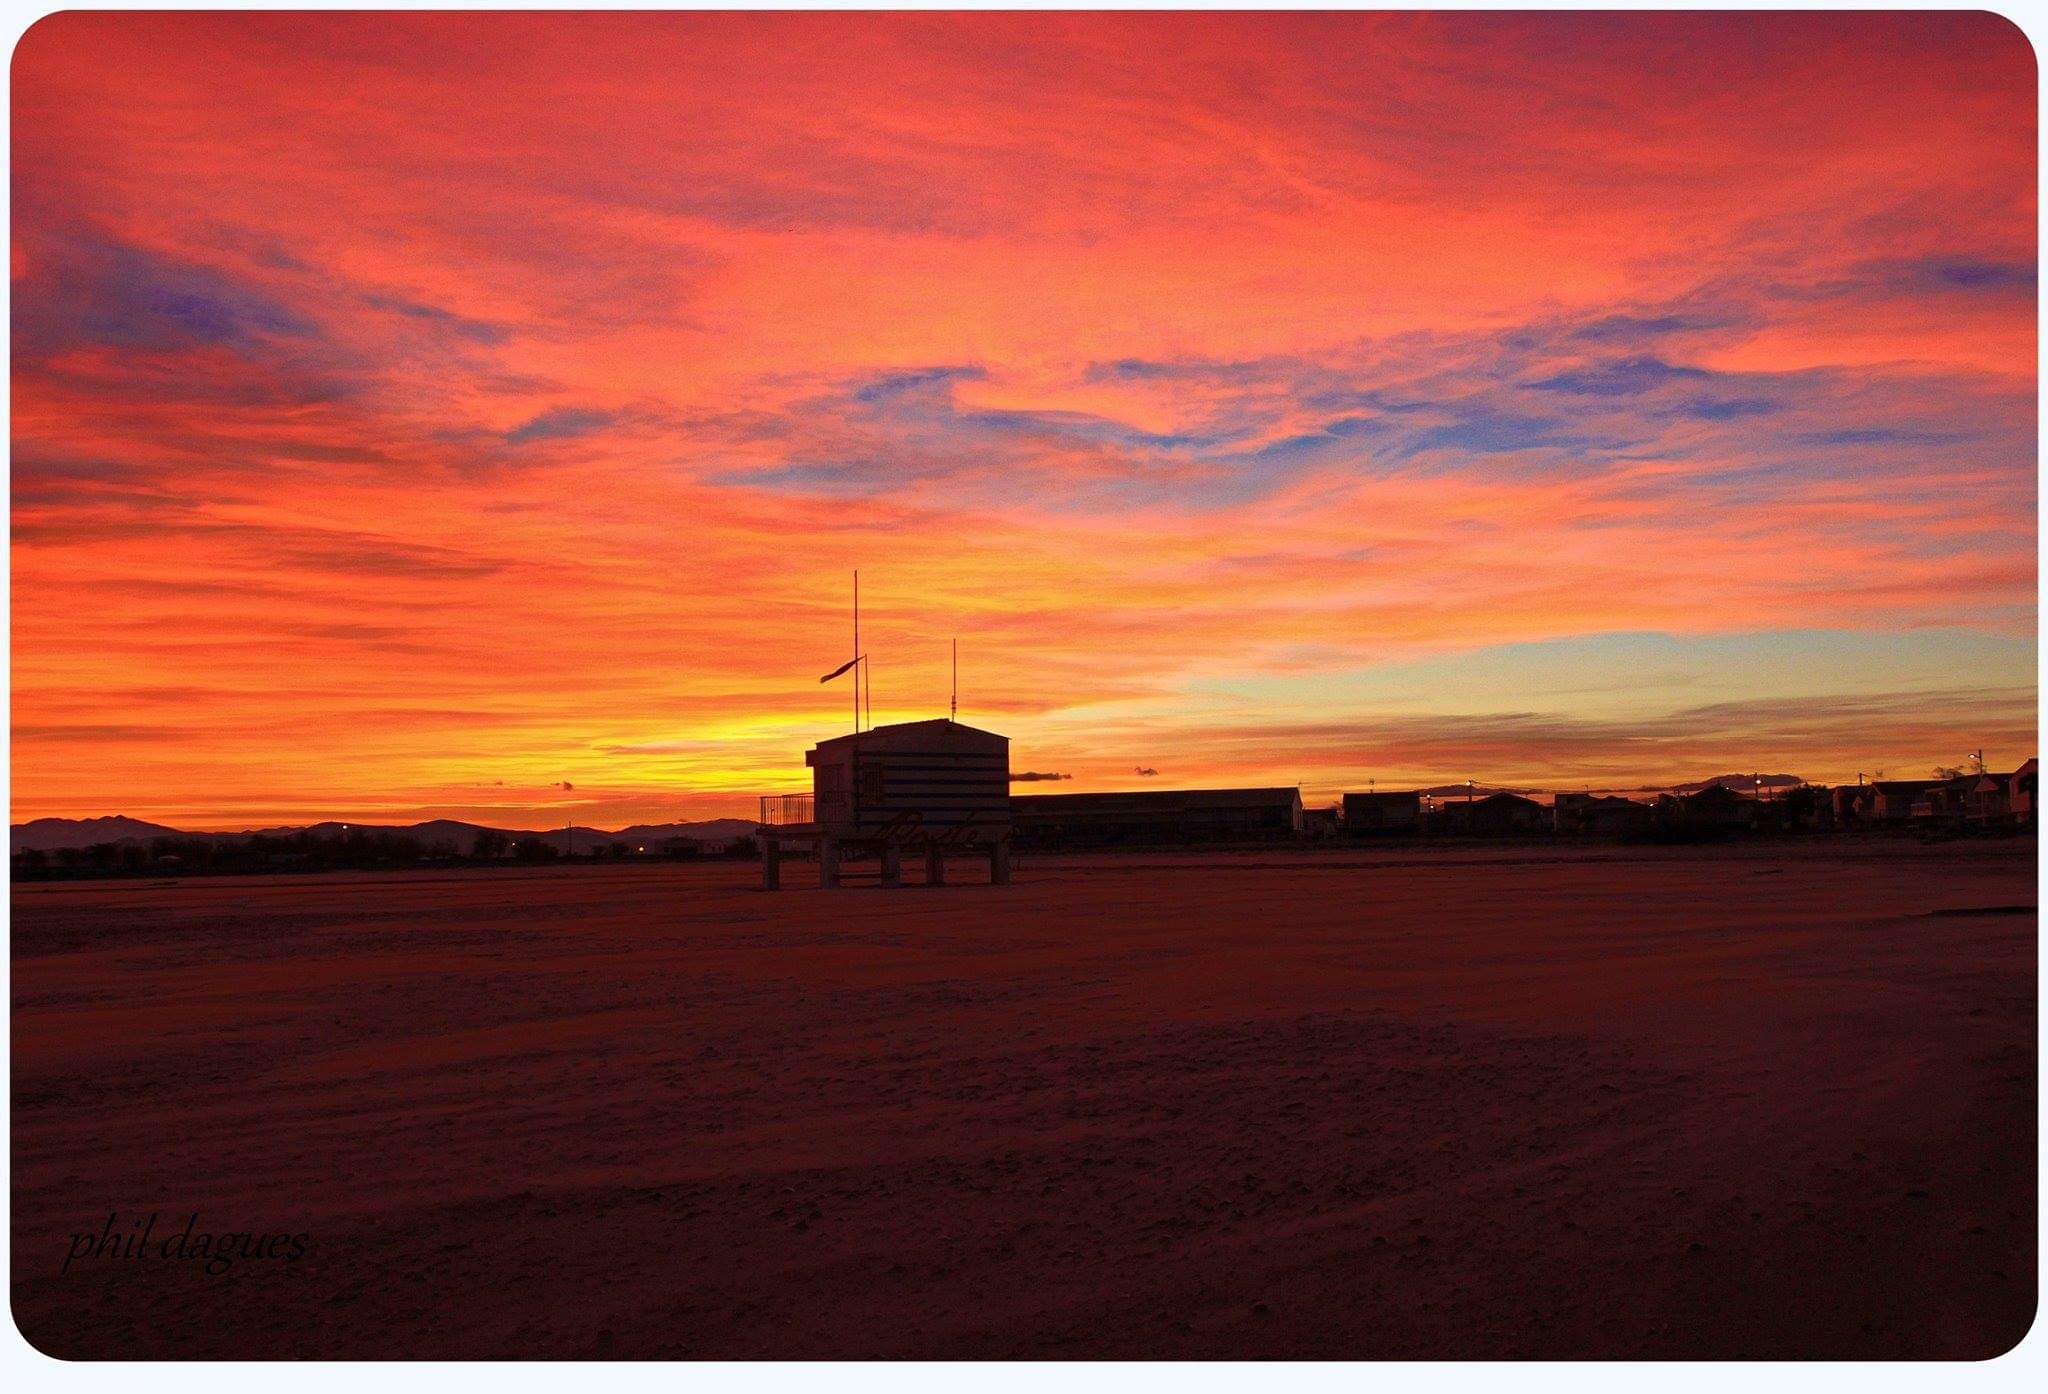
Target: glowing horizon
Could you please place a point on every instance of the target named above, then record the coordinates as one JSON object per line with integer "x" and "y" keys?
{"x": 414, "y": 414}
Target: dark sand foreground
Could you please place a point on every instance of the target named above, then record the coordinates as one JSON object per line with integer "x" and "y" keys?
{"x": 1686, "y": 1103}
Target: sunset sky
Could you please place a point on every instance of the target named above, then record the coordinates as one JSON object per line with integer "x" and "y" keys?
{"x": 414, "y": 415}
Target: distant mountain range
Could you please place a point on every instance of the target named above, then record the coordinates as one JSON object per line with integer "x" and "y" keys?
{"x": 55, "y": 834}
{"x": 1742, "y": 782}
{"x": 49, "y": 834}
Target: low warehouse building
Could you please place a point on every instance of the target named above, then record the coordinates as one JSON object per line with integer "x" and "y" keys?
{"x": 1383, "y": 815}
{"x": 1156, "y": 817}
{"x": 1496, "y": 815}
{"x": 1598, "y": 815}
{"x": 1714, "y": 809}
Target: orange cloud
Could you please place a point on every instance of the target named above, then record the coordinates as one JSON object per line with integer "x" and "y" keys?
{"x": 414, "y": 413}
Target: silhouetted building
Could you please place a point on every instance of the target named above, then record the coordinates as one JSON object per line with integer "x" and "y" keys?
{"x": 1600, "y": 815}
{"x": 1383, "y": 815}
{"x": 1981, "y": 797}
{"x": 1496, "y": 815}
{"x": 1852, "y": 804}
{"x": 1801, "y": 808}
{"x": 1157, "y": 817}
{"x": 929, "y": 785}
{"x": 1717, "y": 805}
{"x": 1901, "y": 800}
{"x": 2022, "y": 792}
{"x": 1716, "y": 808}
{"x": 917, "y": 775}
{"x": 1975, "y": 798}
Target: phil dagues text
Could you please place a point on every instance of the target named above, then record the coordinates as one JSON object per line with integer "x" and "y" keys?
{"x": 138, "y": 1240}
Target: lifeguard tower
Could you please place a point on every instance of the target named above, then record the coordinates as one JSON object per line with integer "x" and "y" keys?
{"x": 933, "y": 786}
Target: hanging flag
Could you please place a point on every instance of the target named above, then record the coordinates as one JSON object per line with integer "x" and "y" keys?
{"x": 840, "y": 669}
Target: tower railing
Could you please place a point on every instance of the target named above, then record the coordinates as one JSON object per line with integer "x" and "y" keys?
{"x": 781, "y": 810}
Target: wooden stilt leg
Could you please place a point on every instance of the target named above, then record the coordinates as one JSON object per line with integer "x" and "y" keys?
{"x": 935, "y": 865}
{"x": 892, "y": 865}
{"x": 999, "y": 862}
{"x": 828, "y": 861}
{"x": 771, "y": 863}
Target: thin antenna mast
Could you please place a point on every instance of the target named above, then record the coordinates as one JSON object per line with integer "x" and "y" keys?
{"x": 853, "y": 772}
{"x": 953, "y": 711}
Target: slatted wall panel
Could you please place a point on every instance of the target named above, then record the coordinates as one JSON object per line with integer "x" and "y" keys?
{"x": 942, "y": 789}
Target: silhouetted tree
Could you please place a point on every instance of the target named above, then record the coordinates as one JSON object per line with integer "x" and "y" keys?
{"x": 1801, "y": 803}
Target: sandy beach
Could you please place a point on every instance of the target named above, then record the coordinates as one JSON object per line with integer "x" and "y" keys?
{"x": 1752, "y": 1102}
